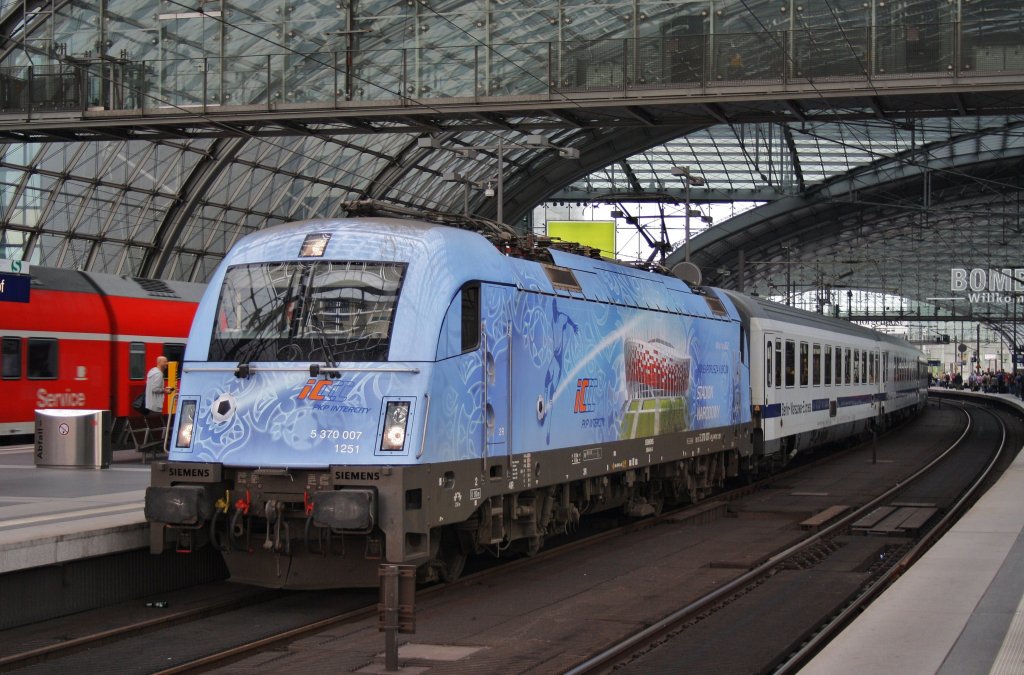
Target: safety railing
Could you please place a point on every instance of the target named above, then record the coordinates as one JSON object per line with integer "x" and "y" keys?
{"x": 547, "y": 70}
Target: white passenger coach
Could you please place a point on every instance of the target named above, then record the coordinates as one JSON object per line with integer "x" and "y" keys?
{"x": 816, "y": 379}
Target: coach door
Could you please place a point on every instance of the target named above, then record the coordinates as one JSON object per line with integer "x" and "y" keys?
{"x": 496, "y": 324}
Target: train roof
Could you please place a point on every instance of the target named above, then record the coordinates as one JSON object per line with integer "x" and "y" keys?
{"x": 76, "y": 281}
{"x": 752, "y": 307}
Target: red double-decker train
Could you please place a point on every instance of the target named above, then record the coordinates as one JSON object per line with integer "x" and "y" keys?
{"x": 86, "y": 340}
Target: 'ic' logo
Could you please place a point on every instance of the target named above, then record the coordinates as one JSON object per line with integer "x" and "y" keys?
{"x": 314, "y": 390}
{"x": 582, "y": 405}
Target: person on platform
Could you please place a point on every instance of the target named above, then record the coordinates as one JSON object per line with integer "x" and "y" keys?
{"x": 156, "y": 388}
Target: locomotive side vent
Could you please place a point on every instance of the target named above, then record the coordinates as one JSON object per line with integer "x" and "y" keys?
{"x": 155, "y": 287}
{"x": 562, "y": 277}
{"x": 716, "y": 305}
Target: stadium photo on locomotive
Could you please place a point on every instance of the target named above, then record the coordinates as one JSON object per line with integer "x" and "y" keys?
{"x": 371, "y": 390}
{"x": 85, "y": 340}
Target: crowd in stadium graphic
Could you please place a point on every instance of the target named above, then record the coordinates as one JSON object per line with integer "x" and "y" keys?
{"x": 657, "y": 379}
{"x": 654, "y": 368}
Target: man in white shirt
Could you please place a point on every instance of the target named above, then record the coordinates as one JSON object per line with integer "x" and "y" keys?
{"x": 156, "y": 388}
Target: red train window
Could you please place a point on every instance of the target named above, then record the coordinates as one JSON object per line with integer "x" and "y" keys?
{"x": 12, "y": 358}
{"x": 137, "y": 361}
{"x": 42, "y": 359}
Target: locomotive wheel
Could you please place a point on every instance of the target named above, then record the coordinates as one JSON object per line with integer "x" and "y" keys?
{"x": 452, "y": 555}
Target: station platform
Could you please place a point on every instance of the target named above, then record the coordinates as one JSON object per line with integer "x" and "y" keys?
{"x": 960, "y": 608}
{"x": 56, "y": 515}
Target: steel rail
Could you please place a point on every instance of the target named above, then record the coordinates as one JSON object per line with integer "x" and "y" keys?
{"x": 827, "y": 632}
{"x": 616, "y": 651}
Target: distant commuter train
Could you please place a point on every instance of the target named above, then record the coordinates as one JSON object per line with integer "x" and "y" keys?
{"x": 370, "y": 390}
{"x": 86, "y": 340}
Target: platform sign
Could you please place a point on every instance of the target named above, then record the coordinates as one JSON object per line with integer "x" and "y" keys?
{"x": 13, "y": 266}
{"x": 14, "y": 287}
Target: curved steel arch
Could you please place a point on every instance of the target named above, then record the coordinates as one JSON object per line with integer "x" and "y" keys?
{"x": 896, "y": 225}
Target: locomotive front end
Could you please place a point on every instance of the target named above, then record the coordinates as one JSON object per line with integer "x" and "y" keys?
{"x": 295, "y": 435}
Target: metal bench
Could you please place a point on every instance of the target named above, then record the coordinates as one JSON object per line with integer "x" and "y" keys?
{"x": 145, "y": 434}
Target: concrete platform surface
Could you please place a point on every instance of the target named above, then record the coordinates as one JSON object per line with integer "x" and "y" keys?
{"x": 53, "y": 515}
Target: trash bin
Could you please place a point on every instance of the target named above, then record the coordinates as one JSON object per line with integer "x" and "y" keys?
{"x": 73, "y": 438}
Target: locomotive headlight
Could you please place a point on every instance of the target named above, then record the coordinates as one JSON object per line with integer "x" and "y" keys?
{"x": 396, "y": 416}
{"x": 186, "y": 424}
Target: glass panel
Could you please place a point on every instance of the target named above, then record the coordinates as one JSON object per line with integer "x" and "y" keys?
{"x": 11, "y": 358}
{"x": 790, "y": 363}
{"x": 42, "y": 359}
{"x": 816, "y": 365}
{"x": 803, "y": 364}
{"x": 302, "y": 311}
{"x": 778, "y": 364}
{"x": 136, "y": 361}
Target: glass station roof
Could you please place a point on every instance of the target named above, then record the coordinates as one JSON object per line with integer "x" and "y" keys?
{"x": 171, "y": 205}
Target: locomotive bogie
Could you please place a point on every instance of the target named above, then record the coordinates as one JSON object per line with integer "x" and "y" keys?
{"x": 409, "y": 510}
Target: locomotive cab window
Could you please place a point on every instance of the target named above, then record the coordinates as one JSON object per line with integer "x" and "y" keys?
{"x": 470, "y": 322}
{"x": 332, "y": 311}
{"x": 460, "y": 329}
{"x": 42, "y": 359}
{"x": 12, "y": 358}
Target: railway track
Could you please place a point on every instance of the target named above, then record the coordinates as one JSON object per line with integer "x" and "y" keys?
{"x": 309, "y": 618}
{"x": 255, "y": 600}
{"x": 636, "y": 652}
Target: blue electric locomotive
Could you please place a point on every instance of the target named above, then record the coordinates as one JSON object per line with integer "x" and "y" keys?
{"x": 369, "y": 390}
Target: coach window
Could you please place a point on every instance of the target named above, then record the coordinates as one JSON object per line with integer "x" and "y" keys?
{"x": 885, "y": 366}
{"x": 12, "y": 358}
{"x": 768, "y": 363}
{"x": 846, "y": 367}
{"x": 856, "y": 367}
{"x": 136, "y": 360}
{"x": 816, "y": 365}
{"x": 878, "y": 365}
{"x": 828, "y": 365}
{"x": 871, "y": 368}
{"x": 42, "y": 359}
{"x": 778, "y": 363}
{"x": 790, "y": 363}
{"x": 839, "y": 365}
{"x": 803, "y": 364}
